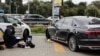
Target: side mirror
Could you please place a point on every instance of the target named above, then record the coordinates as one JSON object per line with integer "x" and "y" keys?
{"x": 75, "y": 25}
{"x": 52, "y": 24}
{"x": 19, "y": 23}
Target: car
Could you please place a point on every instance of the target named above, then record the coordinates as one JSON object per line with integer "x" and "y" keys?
{"x": 56, "y": 18}
{"x": 79, "y": 32}
{"x": 18, "y": 16}
{"x": 22, "y": 30}
{"x": 35, "y": 19}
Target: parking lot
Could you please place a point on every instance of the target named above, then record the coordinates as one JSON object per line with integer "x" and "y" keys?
{"x": 44, "y": 48}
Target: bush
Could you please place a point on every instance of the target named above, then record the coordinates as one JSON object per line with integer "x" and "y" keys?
{"x": 38, "y": 29}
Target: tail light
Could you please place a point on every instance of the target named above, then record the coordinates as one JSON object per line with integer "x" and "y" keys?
{"x": 89, "y": 32}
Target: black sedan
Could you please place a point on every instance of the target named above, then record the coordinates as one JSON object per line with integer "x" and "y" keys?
{"x": 77, "y": 31}
{"x": 35, "y": 19}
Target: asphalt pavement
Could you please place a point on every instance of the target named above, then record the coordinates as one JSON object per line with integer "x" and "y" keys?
{"x": 45, "y": 48}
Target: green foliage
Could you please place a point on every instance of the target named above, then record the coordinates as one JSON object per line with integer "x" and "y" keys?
{"x": 38, "y": 29}
{"x": 45, "y": 8}
{"x": 92, "y": 10}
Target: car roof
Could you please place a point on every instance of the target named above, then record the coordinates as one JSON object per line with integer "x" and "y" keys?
{"x": 33, "y": 14}
{"x": 81, "y": 17}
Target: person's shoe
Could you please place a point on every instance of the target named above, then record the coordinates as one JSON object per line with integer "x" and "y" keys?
{"x": 1, "y": 48}
{"x": 27, "y": 46}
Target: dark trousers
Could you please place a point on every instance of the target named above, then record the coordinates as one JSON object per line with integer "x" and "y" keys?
{"x": 1, "y": 43}
{"x": 10, "y": 44}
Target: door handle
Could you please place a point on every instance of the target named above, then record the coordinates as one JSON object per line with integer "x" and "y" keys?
{"x": 67, "y": 30}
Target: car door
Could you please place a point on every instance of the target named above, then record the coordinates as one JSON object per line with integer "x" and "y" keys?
{"x": 18, "y": 29}
{"x": 76, "y": 26}
{"x": 66, "y": 27}
{"x": 54, "y": 29}
{"x": 59, "y": 28}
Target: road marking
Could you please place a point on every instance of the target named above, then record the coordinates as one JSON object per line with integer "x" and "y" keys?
{"x": 58, "y": 47}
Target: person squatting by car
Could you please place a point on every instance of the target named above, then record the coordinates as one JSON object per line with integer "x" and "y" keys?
{"x": 10, "y": 39}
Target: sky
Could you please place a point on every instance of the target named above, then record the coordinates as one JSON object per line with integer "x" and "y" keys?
{"x": 74, "y": 1}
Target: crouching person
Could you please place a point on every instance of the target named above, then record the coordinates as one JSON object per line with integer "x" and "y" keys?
{"x": 9, "y": 36}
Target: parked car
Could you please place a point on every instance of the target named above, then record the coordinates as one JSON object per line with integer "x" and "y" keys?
{"x": 22, "y": 30}
{"x": 56, "y": 18}
{"x": 77, "y": 31}
{"x": 35, "y": 19}
{"x": 18, "y": 16}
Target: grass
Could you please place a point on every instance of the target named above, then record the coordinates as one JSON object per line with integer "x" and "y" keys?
{"x": 38, "y": 29}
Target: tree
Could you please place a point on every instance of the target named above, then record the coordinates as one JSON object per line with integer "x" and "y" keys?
{"x": 92, "y": 10}
{"x": 70, "y": 4}
{"x": 0, "y": 3}
{"x": 81, "y": 8}
{"x": 19, "y": 7}
{"x": 96, "y": 3}
{"x": 5, "y": 7}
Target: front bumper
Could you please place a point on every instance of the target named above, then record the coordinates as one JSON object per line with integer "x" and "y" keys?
{"x": 93, "y": 44}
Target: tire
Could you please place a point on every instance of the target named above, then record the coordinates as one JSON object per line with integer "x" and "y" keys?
{"x": 72, "y": 43}
{"x": 48, "y": 35}
{"x": 25, "y": 35}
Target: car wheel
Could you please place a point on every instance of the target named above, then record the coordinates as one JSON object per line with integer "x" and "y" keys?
{"x": 47, "y": 34}
{"x": 72, "y": 43}
{"x": 25, "y": 34}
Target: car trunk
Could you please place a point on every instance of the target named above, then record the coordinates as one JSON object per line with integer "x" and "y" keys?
{"x": 93, "y": 31}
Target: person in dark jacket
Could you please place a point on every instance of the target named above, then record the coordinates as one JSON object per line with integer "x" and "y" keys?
{"x": 9, "y": 36}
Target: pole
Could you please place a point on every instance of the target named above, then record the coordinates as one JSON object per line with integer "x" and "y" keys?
{"x": 16, "y": 6}
{"x": 16, "y": 9}
{"x": 28, "y": 6}
{"x": 53, "y": 10}
{"x": 10, "y": 7}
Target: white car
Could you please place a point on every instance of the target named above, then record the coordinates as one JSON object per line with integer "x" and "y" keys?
{"x": 21, "y": 30}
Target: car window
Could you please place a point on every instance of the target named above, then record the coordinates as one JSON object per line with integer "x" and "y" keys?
{"x": 75, "y": 23}
{"x": 34, "y": 17}
{"x": 60, "y": 21}
{"x": 12, "y": 20}
{"x": 67, "y": 21}
{"x": 95, "y": 21}
{"x": 17, "y": 16}
{"x": 1, "y": 19}
{"x": 89, "y": 21}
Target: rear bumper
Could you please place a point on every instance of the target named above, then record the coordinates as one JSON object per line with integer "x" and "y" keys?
{"x": 90, "y": 47}
{"x": 93, "y": 44}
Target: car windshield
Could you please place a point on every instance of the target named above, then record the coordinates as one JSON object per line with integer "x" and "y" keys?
{"x": 19, "y": 17}
{"x": 89, "y": 21}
